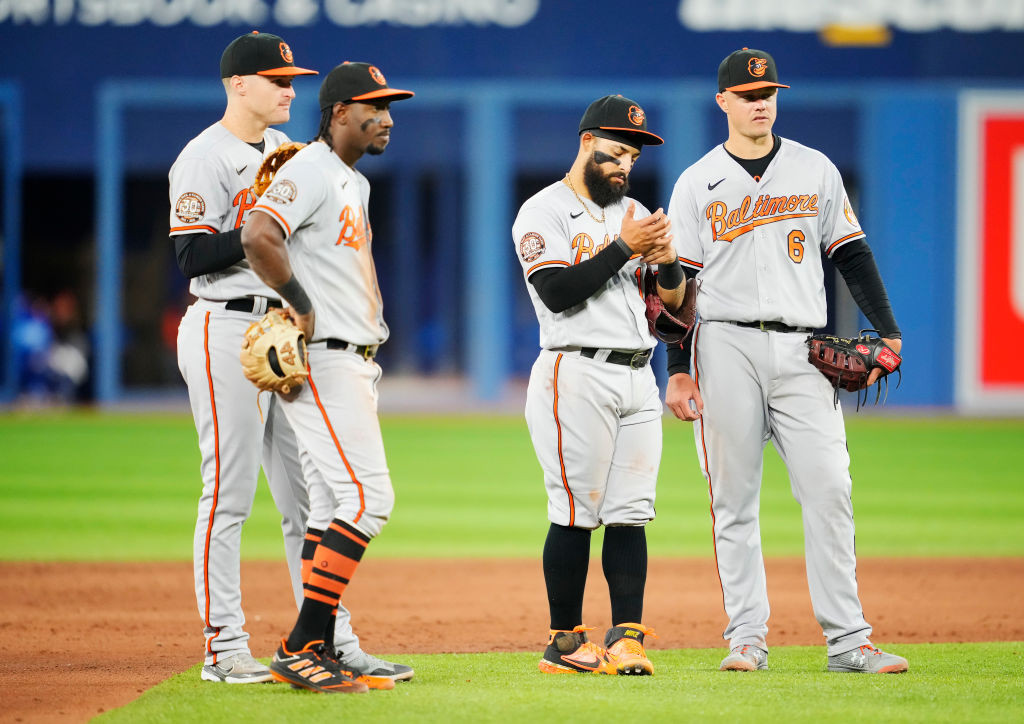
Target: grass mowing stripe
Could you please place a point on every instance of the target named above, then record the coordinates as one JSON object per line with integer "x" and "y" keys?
{"x": 946, "y": 683}
{"x": 87, "y": 486}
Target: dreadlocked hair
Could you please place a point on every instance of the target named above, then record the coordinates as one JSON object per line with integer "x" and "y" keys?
{"x": 324, "y": 132}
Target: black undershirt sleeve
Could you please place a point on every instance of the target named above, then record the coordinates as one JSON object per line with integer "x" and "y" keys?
{"x": 566, "y": 287}
{"x": 679, "y": 354}
{"x": 201, "y": 253}
{"x": 857, "y": 265}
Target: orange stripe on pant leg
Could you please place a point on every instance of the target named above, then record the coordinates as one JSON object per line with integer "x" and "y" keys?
{"x": 707, "y": 466}
{"x": 337, "y": 446}
{"x": 561, "y": 461}
{"x": 216, "y": 484}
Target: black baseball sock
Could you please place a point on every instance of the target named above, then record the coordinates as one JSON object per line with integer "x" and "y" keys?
{"x": 566, "y": 559}
{"x": 624, "y": 558}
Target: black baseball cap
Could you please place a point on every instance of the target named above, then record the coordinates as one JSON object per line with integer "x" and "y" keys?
{"x": 619, "y": 119}
{"x": 259, "y": 53}
{"x": 356, "y": 83}
{"x": 747, "y": 69}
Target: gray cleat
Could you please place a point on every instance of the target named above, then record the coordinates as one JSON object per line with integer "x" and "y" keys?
{"x": 374, "y": 671}
{"x": 238, "y": 669}
{"x": 868, "y": 660}
{"x": 746, "y": 657}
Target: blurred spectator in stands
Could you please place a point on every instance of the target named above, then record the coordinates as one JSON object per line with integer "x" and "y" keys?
{"x": 51, "y": 349}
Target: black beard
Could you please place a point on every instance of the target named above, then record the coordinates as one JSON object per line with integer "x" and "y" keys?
{"x": 375, "y": 150}
{"x": 600, "y": 188}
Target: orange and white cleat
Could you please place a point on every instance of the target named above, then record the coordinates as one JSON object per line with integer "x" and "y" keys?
{"x": 569, "y": 652}
{"x": 626, "y": 653}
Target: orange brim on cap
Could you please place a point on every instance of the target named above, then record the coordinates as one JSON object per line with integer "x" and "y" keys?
{"x": 384, "y": 93}
{"x": 287, "y": 70}
{"x": 755, "y": 85}
{"x": 636, "y": 131}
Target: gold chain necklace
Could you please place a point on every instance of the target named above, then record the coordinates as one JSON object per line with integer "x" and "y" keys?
{"x": 568, "y": 183}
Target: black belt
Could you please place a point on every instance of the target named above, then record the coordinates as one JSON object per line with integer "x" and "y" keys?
{"x": 366, "y": 351}
{"x": 633, "y": 360}
{"x": 253, "y": 305}
{"x": 772, "y": 327}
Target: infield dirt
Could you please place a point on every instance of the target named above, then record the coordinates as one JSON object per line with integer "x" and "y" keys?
{"x": 83, "y": 638}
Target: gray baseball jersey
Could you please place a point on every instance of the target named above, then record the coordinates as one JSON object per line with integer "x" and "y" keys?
{"x": 324, "y": 198}
{"x": 211, "y": 191}
{"x": 750, "y": 238}
{"x": 552, "y": 231}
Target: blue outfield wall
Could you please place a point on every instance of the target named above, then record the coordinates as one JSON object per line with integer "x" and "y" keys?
{"x": 909, "y": 211}
{"x": 900, "y": 141}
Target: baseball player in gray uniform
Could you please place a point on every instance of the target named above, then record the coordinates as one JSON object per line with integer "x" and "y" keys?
{"x": 211, "y": 198}
{"x": 751, "y": 220}
{"x": 310, "y": 233}
{"x": 592, "y": 406}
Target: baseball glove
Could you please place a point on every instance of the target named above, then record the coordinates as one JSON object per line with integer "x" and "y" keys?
{"x": 847, "y": 362}
{"x": 274, "y": 353}
{"x": 276, "y": 159}
{"x": 666, "y": 326}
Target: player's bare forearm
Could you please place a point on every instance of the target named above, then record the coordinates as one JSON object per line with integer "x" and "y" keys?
{"x": 263, "y": 244}
{"x": 683, "y": 398}
{"x": 672, "y": 298}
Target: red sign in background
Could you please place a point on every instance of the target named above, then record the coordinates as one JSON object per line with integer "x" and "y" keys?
{"x": 1002, "y": 327}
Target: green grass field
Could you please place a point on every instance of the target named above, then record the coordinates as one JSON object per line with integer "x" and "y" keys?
{"x": 947, "y": 683}
{"x": 85, "y": 486}
{"x": 82, "y": 486}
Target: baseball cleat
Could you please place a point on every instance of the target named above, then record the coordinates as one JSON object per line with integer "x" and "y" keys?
{"x": 375, "y": 672}
{"x": 868, "y": 660}
{"x": 746, "y": 657}
{"x": 312, "y": 668}
{"x": 569, "y": 652}
{"x": 238, "y": 669}
{"x": 626, "y": 653}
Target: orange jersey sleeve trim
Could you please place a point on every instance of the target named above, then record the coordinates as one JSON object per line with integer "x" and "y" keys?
{"x": 280, "y": 219}
{"x": 535, "y": 267}
{"x": 199, "y": 227}
{"x": 848, "y": 237}
{"x": 691, "y": 262}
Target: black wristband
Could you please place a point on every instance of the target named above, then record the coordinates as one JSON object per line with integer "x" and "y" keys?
{"x": 671, "y": 275}
{"x": 293, "y": 293}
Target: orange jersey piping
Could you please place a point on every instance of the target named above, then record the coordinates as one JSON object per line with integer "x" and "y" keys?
{"x": 280, "y": 219}
{"x": 545, "y": 263}
{"x": 848, "y": 237}
{"x": 200, "y": 227}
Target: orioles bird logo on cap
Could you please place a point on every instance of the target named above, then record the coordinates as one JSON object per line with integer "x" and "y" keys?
{"x": 757, "y": 66}
{"x": 377, "y": 75}
{"x": 286, "y": 53}
{"x": 636, "y": 115}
